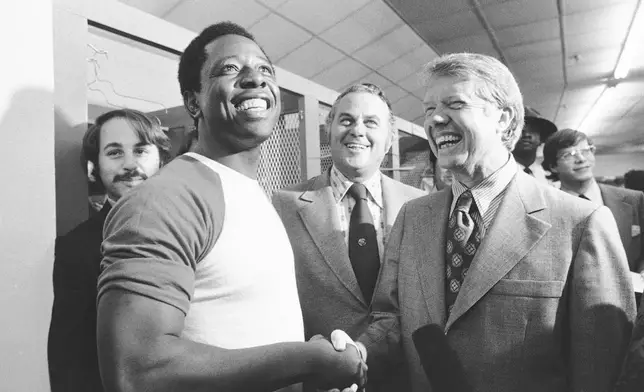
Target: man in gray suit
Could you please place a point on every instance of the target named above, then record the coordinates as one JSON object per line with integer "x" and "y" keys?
{"x": 529, "y": 285}
{"x": 570, "y": 156}
{"x": 336, "y": 261}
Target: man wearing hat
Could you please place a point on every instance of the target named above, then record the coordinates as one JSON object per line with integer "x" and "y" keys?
{"x": 536, "y": 131}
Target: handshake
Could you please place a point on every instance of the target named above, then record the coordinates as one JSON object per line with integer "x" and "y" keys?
{"x": 339, "y": 364}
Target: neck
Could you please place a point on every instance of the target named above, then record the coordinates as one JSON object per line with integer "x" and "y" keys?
{"x": 474, "y": 175}
{"x": 245, "y": 162}
{"x": 356, "y": 176}
{"x": 526, "y": 158}
{"x": 579, "y": 187}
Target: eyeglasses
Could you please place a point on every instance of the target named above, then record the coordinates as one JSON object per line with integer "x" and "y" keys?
{"x": 572, "y": 155}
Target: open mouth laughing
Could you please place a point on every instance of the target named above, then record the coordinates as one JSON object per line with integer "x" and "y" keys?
{"x": 356, "y": 147}
{"x": 447, "y": 141}
{"x": 252, "y": 104}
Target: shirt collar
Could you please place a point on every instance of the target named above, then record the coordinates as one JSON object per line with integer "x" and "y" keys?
{"x": 593, "y": 193}
{"x": 484, "y": 192}
{"x": 340, "y": 185}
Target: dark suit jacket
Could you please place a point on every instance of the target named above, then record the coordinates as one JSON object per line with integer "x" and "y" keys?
{"x": 632, "y": 377}
{"x": 329, "y": 293}
{"x": 627, "y": 207}
{"x": 72, "y": 356}
{"x": 547, "y": 305}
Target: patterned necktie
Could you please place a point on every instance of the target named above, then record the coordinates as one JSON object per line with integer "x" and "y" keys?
{"x": 528, "y": 171}
{"x": 584, "y": 197}
{"x": 464, "y": 234}
{"x": 363, "y": 243}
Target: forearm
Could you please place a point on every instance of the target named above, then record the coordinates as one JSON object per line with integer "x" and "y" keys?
{"x": 173, "y": 363}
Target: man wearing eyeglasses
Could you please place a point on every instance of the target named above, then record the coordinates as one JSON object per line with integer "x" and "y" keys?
{"x": 570, "y": 156}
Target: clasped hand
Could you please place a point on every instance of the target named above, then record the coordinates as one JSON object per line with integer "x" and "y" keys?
{"x": 342, "y": 366}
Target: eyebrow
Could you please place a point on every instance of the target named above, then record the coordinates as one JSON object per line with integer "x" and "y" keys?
{"x": 119, "y": 145}
{"x": 352, "y": 116}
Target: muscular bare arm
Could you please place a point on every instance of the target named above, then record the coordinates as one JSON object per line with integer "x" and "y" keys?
{"x": 140, "y": 348}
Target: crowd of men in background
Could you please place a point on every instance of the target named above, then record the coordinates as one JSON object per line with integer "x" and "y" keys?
{"x": 189, "y": 279}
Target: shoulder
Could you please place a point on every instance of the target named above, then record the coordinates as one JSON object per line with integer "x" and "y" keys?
{"x": 630, "y": 196}
{"x": 80, "y": 236}
{"x": 294, "y": 191}
{"x": 408, "y": 191}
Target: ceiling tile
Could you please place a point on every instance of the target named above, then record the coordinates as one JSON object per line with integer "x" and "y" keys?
{"x": 394, "y": 93}
{"x": 195, "y": 15}
{"x": 272, "y": 4}
{"x": 413, "y": 111}
{"x": 342, "y": 73}
{"x": 571, "y": 6}
{"x": 405, "y": 103}
{"x": 479, "y": 43}
{"x": 533, "y": 50}
{"x": 615, "y": 19}
{"x": 318, "y": 16}
{"x": 389, "y": 47}
{"x": 589, "y": 73}
{"x": 520, "y": 12}
{"x": 278, "y": 36}
{"x": 377, "y": 79}
{"x": 420, "y": 56}
{"x": 449, "y": 27}
{"x": 413, "y": 82}
{"x": 524, "y": 34}
{"x": 362, "y": 27}
{"x": 155, "y": 7}
{"x": 399, "y": 69}
{"x": 422, "y": 10}
{"x": 311, "y": 58}
{"x": 420, "y": 92}
{"x": 592, "y": 41}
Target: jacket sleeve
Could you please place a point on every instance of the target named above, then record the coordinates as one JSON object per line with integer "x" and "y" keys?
{"x": 602, "y": 305}
{"x": 72, "y": 340}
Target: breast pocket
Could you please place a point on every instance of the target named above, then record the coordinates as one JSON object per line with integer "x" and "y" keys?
{"x": 529, "y": 288}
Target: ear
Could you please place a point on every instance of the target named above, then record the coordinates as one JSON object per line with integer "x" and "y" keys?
{"x": 191, "y": 103}
{"x": 505, "y": 119}
{"x": 393, "y": 133}
{"x": 90, "y": 171}
{"x": 553, "y": 169}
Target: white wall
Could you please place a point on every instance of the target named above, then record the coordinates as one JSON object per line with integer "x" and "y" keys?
{"x": 27, "y": 201}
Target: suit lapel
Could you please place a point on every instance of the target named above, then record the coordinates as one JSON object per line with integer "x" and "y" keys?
{"x": 622, "y": 212}
{"x": 392, "y": 199}
{"x": 317, "y": 211}
{"x": 430, "y": 227}
{"x": 509, "y": 238}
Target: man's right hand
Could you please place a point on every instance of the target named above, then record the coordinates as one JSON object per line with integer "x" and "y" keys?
{"x": 337, "y": 369}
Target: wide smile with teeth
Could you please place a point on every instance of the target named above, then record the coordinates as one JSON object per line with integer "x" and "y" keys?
{"x": 356, "y": 146}
{"x": 447, "y": 141}
{"x": 252, "y": 104}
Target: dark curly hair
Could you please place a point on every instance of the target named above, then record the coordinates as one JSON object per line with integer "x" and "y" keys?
{"x": 194, "y": 56}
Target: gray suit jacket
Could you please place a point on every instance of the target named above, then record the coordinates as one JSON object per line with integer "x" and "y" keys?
{"x": 328, "y": 289}
{"x": 627, "y": 207}
{"x": 547, "y": 305}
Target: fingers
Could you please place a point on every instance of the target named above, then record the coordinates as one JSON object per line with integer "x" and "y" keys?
{"x": 340, "y": 339}
{"x": 317, "y": 337}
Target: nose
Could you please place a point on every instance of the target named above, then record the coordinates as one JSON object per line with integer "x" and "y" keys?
{"x": 251, "y": 78}
{"x": 358, "y": 129}
{"x": 130, "y": 162}
{"x": 434, "y": 120}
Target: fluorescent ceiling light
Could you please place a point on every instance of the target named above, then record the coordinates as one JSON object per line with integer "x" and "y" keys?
{"x": 635, "y": 34}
